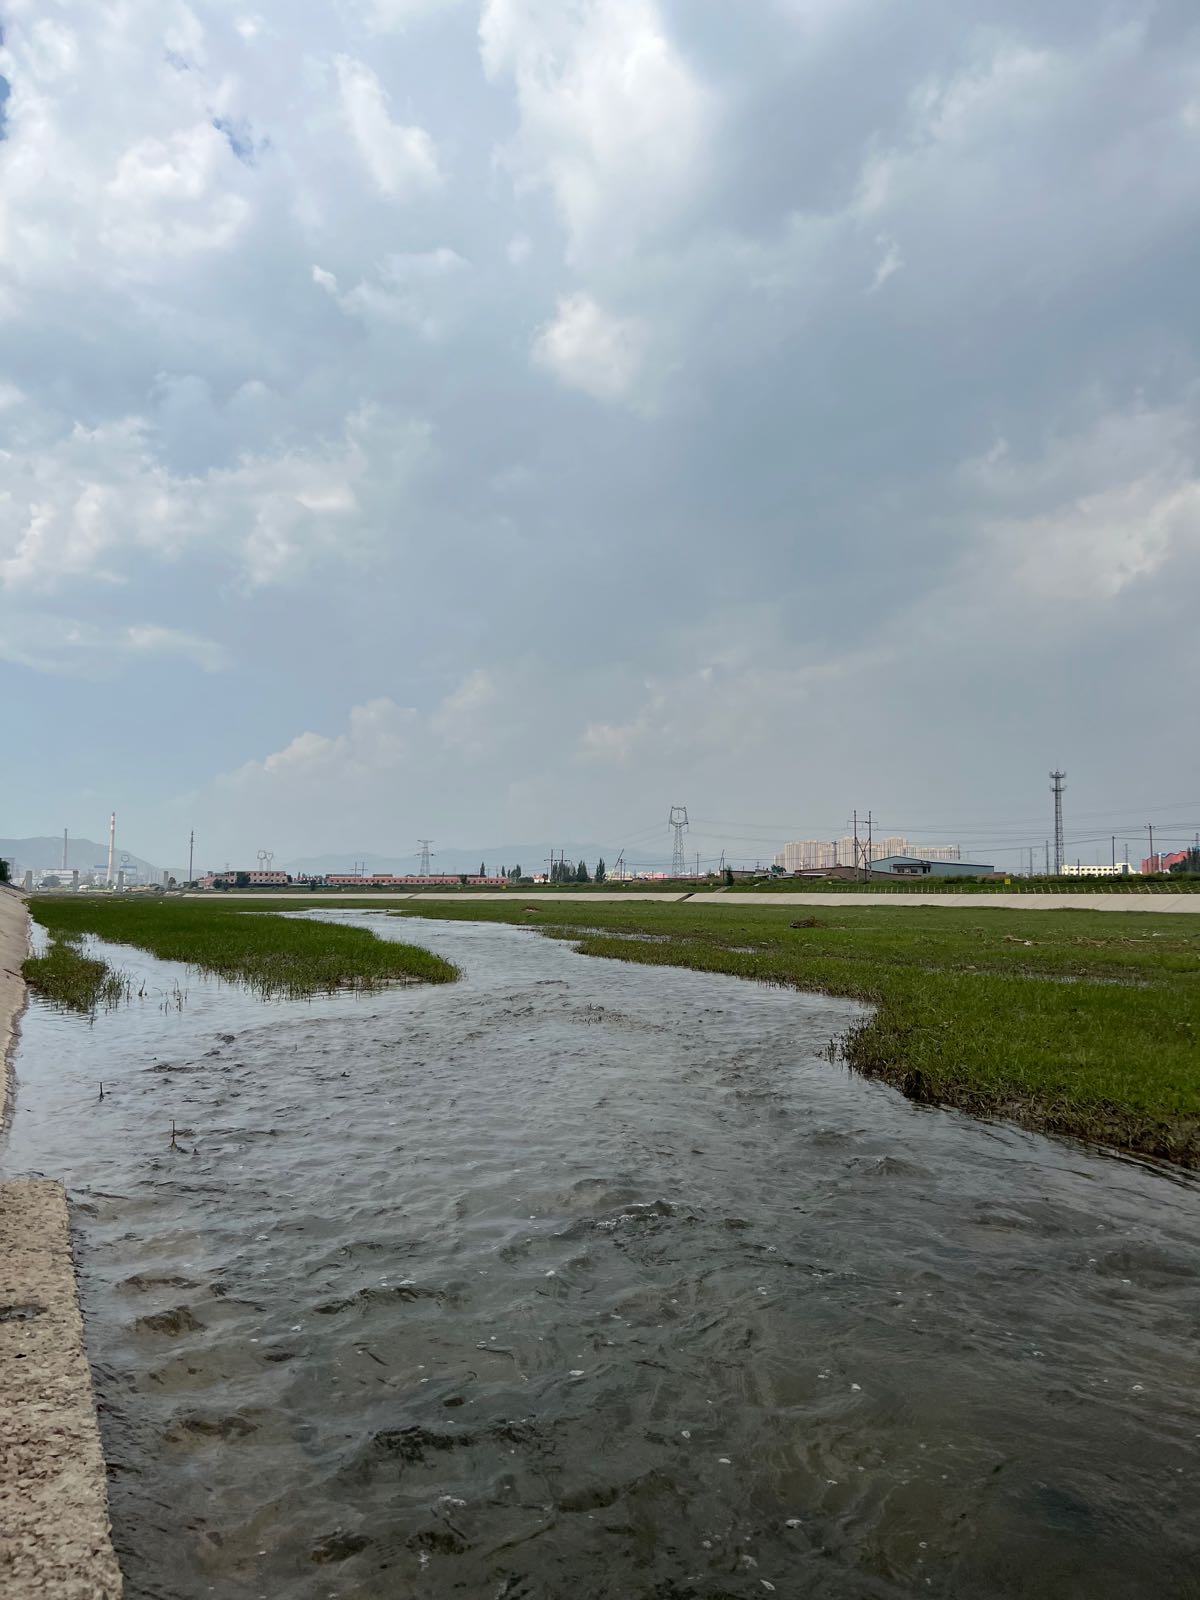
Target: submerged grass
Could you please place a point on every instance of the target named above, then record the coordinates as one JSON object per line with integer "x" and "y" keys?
{"x": 274, "y": 955}
{"x": 1084, "y": 1023}
{"x": 66, "y": 977}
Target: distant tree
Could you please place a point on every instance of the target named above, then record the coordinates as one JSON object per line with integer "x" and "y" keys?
{"x": 601, "y": 871}
{"x": 171, "y": 884}
{"x": 241, "y": 880}
{"x": 1190, "y": 863}
{"x": 728, "y": 874}
{"x": 582, "y": 875}
{"x": 462, "y": 878}
{"x": 482, "y": 870}
{"x": 3, "y": 870}
{"x": 515, "y": 874}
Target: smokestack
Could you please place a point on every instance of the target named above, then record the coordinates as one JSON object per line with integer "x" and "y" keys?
{"x": 64, "y": 849}
{"x": 112, "y": 850}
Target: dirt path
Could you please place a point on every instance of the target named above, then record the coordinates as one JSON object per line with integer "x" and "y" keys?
{"x": 54, "y": 1530}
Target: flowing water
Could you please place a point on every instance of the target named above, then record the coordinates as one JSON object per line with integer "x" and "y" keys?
{"x": 592, "y": 1280}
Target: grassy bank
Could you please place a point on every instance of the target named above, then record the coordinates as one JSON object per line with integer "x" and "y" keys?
{"x": 272, "y": 954}
{"x": 1058, "y": 1020}
{"x": 67, "y": 977}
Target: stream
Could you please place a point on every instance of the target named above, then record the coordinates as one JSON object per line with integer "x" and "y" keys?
{"x": 587, "y": 1279}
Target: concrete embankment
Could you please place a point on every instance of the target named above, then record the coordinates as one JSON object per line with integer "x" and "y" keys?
{"x": 55, "y": 1539}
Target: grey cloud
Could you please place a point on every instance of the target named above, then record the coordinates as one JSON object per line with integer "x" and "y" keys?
{"x": 615, "y": 400}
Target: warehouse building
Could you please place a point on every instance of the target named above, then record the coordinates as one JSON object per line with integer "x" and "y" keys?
{"x": 924, "y": 867}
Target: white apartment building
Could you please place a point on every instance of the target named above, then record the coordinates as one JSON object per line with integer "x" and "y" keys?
{"x": 1081, "y": 869}
{"x": 800, "y": 854}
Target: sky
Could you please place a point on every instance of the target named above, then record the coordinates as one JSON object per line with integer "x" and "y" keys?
{"x": 501, "y": 422}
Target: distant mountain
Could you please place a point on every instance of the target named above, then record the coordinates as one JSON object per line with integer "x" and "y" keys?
{"x": 45, "y": 854}
{"x": 530, "y": 857}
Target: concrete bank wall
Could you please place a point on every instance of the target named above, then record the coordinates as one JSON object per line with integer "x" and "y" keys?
{"x": 55, "y": 1539}
{"x": 14, "y": 947}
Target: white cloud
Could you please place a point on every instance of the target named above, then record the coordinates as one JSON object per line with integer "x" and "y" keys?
{"x": 402, "y": 160}
{"x": 396, "y": 16}
{"x": 76, "y": 647}
{"x": 613, "y": 120}
{"x": 891, "y": 262}
{"x": 410, "y": 289}
{"x": 462, "y": 719}
{"x": 588, "y": 348}
{"x": 1095, "y": 511}
{"x": 93, "y": 502}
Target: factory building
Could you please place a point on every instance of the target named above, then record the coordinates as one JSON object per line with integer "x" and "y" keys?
{"x": 925, "y": 867}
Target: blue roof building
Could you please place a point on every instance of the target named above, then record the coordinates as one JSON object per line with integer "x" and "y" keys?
{"x": 919, "y": 867}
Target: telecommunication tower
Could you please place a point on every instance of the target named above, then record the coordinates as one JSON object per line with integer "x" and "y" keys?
{"x": 424, "y": 843}
{"x": 678, "y": 820}
{"x": 1056, "y": 788}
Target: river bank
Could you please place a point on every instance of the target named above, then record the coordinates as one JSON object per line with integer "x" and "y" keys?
{"x": 55, "y": 1539}
{"x": 14, "y": 947}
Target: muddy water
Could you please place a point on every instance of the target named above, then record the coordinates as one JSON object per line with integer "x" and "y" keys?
{"x": 580, "y": 1279}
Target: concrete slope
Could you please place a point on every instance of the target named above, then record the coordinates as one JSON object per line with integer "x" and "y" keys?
{"x": 55, "y": 1539}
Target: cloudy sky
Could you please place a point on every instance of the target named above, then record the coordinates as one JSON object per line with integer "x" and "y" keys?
{"x": 502, "y": 421}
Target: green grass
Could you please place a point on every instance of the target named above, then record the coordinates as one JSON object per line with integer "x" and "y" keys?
{"x": 1085, "y": 1023}
{"x": 272, "y": 954}
{"x": 66, "y": 977}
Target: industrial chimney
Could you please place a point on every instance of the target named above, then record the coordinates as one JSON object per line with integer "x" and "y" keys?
{"x": 112, "y": 850}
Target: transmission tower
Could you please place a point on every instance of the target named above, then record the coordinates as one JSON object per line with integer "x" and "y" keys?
{"x": 265, "y": 858}
{"x": 424, "y": 843}
{"x": 678, "y": 820}
{"x": 1056, "y": 788}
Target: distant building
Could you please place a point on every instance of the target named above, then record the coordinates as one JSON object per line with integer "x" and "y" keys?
{"x": 256, "y": 880}
{"x": 1082, "y": 869}
{"x": 931, "y": 867}
{"x": 1160, "y": 863}
{"x": 801, "y": 854}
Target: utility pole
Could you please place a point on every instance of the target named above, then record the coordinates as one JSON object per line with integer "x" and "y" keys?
{"x": 1153, "y": 862}
{"x": 191, "y": 856}
{"x": 64, "y": 865}
{"x": 697, "y": 863}
{"x": 1057, "y": 787}
{"x": 870, "y": 844}
{"x": 678, "y": 821}
{"x": 424, "y": 868}
{"x": 1114, "y": 852}
{"x": 1047, "y": 858}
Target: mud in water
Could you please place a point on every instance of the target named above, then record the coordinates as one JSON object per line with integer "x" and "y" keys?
{"x": 591, "y": 1280}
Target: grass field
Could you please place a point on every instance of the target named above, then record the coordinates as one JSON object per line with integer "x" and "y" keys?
{"x": 1073, "y": 1022}
{"x": 272, "y": 954}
